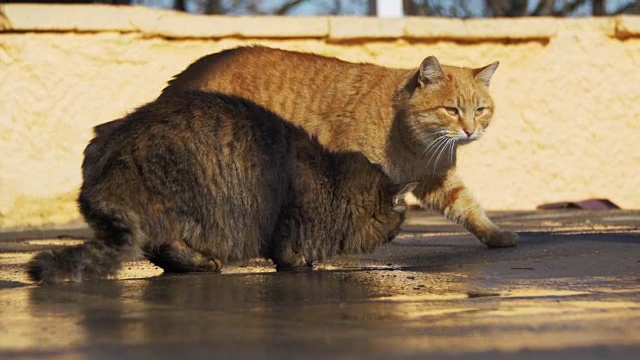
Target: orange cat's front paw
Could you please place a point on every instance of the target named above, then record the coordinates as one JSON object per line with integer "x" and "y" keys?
{"x": 501, "y": 239}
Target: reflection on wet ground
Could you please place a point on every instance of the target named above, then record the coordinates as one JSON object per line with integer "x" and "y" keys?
{"x": 560, "y": 294}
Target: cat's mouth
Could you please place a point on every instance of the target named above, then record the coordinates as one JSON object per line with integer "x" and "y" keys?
{"x": 465, "y": 140}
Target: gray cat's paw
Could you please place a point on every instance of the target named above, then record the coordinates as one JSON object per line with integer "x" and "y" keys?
{"x": 502, "y": 239}
{"x": 213, "y": 265}
{"x": 294, "y": 261}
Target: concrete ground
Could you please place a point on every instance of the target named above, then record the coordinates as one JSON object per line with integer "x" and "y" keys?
{"x": 570, "y": 290}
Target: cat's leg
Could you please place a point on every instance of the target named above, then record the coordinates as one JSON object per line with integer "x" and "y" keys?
{"x": 449, "y": 195}
{"x": 178, "y": 258}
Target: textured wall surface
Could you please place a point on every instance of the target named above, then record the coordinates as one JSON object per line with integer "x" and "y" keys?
{"x": 567, "y": 93}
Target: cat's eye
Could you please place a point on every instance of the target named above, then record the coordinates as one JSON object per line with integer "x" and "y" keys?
{"x": 479, "y": 111}
{"x": 452, "y": 111}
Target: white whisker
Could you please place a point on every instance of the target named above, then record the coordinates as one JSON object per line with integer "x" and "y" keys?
{"x": 444, "y": 148}
{"x": 430, "y": 145}
{"x": 435, "y": 143}
{"x": 453, "y": 149}
{"x": 436, "y": 150}
{"x": 437, "y": 140}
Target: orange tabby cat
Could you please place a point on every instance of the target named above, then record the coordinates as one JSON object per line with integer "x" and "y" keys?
{"x": 409, "y": 121}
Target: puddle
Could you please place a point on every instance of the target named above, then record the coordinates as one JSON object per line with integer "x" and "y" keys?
{"x": 423, "y": 297}
{"x": 585, "y": 229}
{"x": 537, "y": 293}
{"x": 623, "y": 218}
{"x": 423, "y": 235}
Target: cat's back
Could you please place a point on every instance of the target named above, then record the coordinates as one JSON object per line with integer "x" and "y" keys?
{"x": 197, "y": 134}
{"x": 239, "y": 71}
{"x": 204, "y": 118}
{"x": 304, "y": 88}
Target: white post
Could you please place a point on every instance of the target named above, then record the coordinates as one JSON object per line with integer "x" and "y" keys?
{"x": 389, "y": 8}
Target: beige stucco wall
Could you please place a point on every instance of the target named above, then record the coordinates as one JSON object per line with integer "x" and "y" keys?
{"x": 567, "y": 91}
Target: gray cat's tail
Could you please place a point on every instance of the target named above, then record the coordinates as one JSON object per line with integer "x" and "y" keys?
{"x": 91, "y": 260}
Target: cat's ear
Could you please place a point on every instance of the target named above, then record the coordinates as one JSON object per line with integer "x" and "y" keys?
{"x": 398, "y": 199}
{"x": 430, "y": 72}
{"x": 484, "y": 74}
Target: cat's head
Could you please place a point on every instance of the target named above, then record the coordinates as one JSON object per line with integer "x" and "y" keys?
{"x": 387, "y": 208}
{"x": 449, "y": 105}
{"x": 390, "y": 213}
{"x": 374, "y": 202}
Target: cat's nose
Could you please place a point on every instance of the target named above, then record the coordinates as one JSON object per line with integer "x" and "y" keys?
{"x": 469, "y": 132}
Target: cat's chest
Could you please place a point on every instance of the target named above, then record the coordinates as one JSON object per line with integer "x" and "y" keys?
{"x": 406, "y": 169}
{"x": 402, "y": 173}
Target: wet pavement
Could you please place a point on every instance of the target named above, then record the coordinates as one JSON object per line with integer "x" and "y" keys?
{"x": 571, "y": 289}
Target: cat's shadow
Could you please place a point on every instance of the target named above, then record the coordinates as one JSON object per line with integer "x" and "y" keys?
{"x": 8, "y": 284}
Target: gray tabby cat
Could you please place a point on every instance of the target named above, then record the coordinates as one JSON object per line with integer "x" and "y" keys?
{"x": 199, "y": 179}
